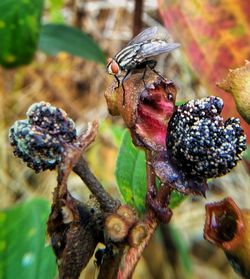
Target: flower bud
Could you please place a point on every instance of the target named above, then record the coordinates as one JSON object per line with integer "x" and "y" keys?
{"x": 228, "y": 227}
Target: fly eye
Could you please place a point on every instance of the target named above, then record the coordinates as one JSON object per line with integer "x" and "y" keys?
{"x": 114, "y": 67}
{"x": 170, "y": 97}
{"x": 109, "y": 66}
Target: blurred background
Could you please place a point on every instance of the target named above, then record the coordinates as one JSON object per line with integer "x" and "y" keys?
{"x": 66, "y": 67}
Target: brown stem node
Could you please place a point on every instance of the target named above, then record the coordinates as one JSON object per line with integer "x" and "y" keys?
{"x": 116, "y": 228}
{"x": 137, "y": 234}
{"x": 128, "y": 214}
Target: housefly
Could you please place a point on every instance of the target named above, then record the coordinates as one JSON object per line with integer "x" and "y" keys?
{"x": 140, "y": 53}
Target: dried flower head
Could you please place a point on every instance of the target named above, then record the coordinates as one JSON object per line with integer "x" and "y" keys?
{"x": 227, "y": 226}
{"x": 202, "y": 144}
{"x": 149, "y": 104}
{"x": 39, "y": 140}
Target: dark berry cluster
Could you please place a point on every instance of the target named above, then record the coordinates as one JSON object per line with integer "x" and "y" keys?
{"x": 201, "y": 142}
{"x": 39, "y": 140}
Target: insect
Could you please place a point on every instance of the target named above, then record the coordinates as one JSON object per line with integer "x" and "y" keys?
{"x": 139, "y": 54}
{"x": 101, "y": 253}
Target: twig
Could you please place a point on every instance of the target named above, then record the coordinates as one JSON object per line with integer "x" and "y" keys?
{"x": 74, "y": 160}
{"x": 134, "y": 254}
{"x": 137, "y": 21}
{"x": 110, "y": 264}
{"x": 107, "y": 203}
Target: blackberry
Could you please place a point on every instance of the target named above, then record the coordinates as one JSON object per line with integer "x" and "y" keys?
{"x": 200, "y": 142}
{"x": 39, "y": 140}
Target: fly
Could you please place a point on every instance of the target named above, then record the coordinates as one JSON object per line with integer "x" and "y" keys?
{"x": 139, "y": 54}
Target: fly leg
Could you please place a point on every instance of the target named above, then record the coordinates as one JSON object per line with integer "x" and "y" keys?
{"x": 118, "y": 82}
{"x": 152, "y": 65}
{"x": 123, "y": 89}
{"x": 148, "y": 64}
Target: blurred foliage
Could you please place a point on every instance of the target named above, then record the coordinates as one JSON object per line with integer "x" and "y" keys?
{"x": 114, "y": 131}
{"x": 237, "y": 83}
{"x": 23, "y": 253}
{"x": 182, "y": 249}
{"x": 131, "y": 175}
{"x": 55, "y": 10}
{"x": 19, "y": 31}
{"x": 55, "y": 38}
{"x": 215, "y": 36}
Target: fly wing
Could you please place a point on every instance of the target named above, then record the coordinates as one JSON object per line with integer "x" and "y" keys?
{"x": 154, "y": 48}
{"x": 145, "y": 35}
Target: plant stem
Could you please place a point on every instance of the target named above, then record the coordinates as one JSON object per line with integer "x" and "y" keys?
{"x": 127, "y": 266}
{"x": 137, "y": 20}
{"x": 151, "y": 187}
{"x": 107, "y": 203}
{"x": 134, "y": 254}
{"x": 110, "y": 264}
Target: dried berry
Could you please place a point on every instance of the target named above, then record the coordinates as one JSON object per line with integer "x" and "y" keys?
{"x": 201, "y": 143}
{"x": 39, "y": 140}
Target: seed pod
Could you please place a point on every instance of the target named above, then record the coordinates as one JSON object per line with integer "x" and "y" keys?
{"x": 228, "y": 227}
{"x": 237, "y": 83}
{"x": 149, "y": 104}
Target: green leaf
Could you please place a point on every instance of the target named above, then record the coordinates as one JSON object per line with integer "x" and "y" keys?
{"x": 112, "y": 131}
{"x": 131, "y": 175}
{"x": 23, "y": 253}
{"x": 55, "y": 38}
{"x": 246, "y": 154}
{"x": 182, "y": 249}
{"x": 19, "y": 31}
{"x": 179, "y": 103}
{"x": 175, "y": 199}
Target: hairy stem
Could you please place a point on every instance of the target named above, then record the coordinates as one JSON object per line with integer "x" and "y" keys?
{"x": 107, "y": 203}
{"x": 134, "y": 254}
{"x": 127, "y": 266}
